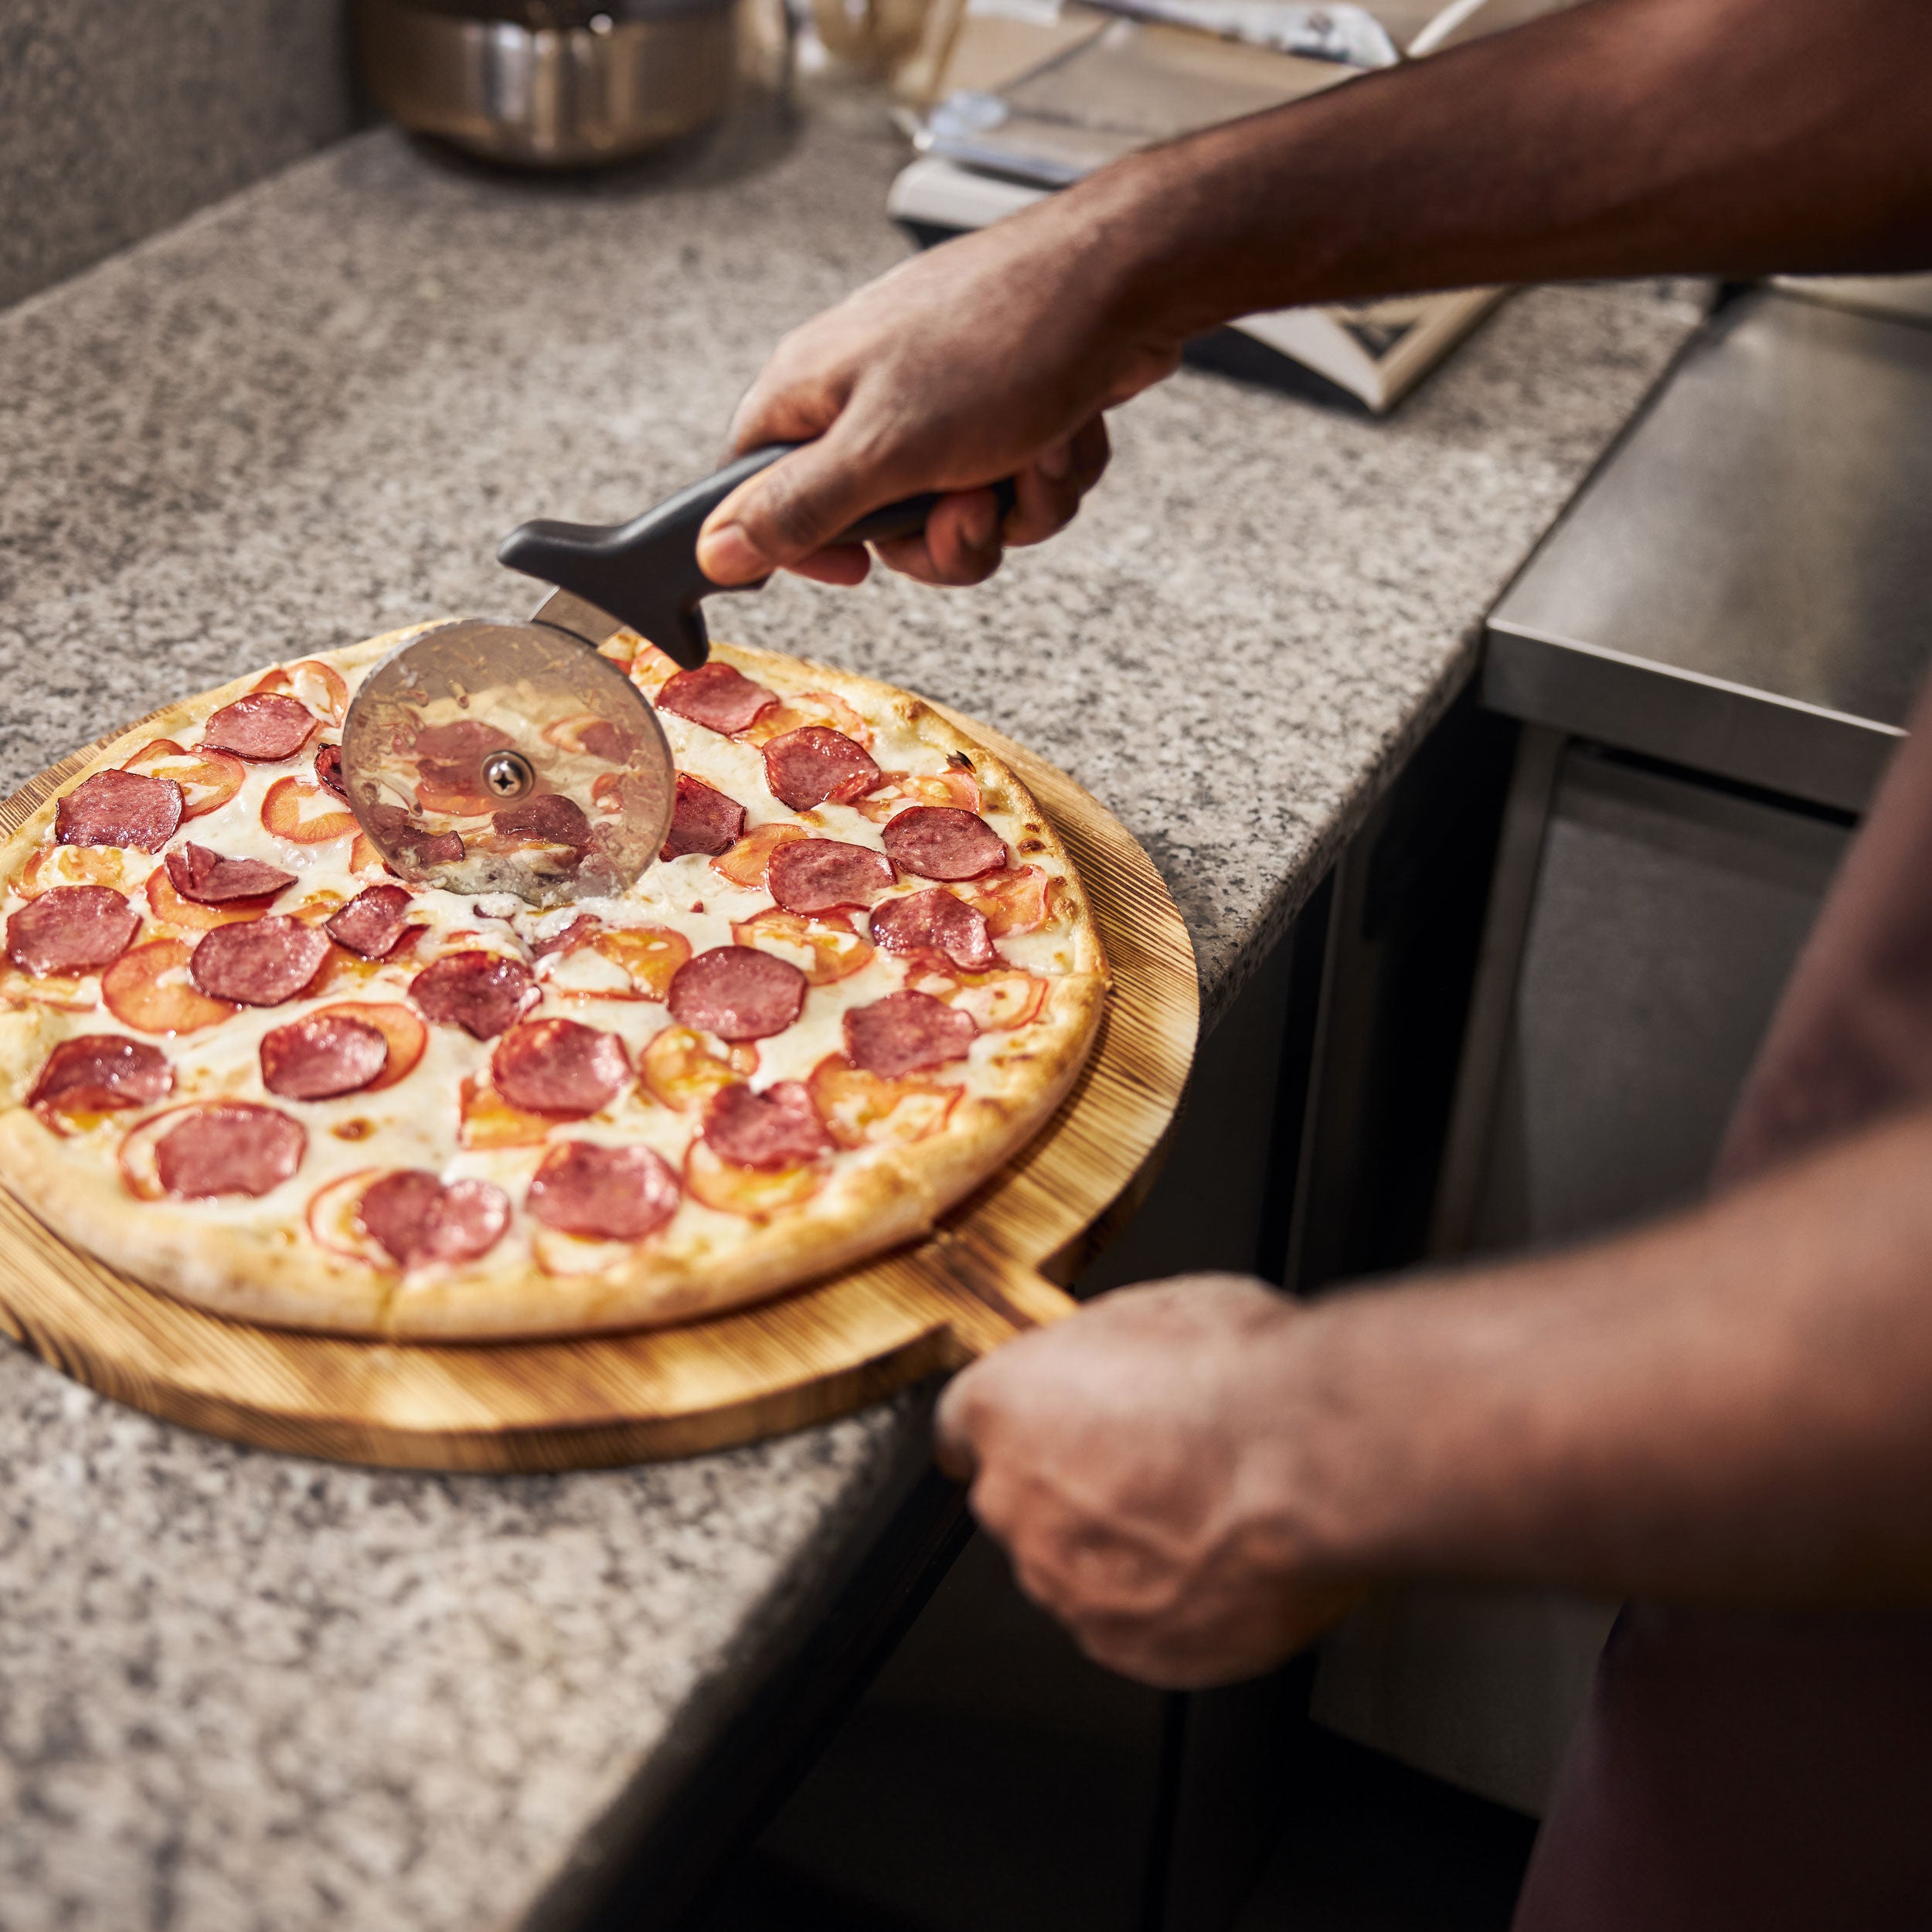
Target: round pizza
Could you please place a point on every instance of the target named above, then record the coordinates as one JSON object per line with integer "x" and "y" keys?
{"x": 242, "y": 1061}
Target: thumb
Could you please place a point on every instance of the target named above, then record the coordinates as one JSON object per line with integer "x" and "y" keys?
{"x": 786, "y": 512}
{"x": 952, "y": 1448}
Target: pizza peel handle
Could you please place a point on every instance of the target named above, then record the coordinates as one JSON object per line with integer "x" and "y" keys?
{"x": 646, "y": 571}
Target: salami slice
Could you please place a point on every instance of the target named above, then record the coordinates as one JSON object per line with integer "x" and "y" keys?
{"x": 100, "y": 1073}
{"x": 71, "y": 929}
{"x": 119, "y": 808}
{"x": 558, "y": 1067}
{"x": 259, "y": 964}
{"x": 372, "y": 922}
{"x": 715, "y": 696}
{"x": 414, "y": 843}
{"x": 481, "y": 992}
{"x": 329, "y": 771}
{"x": 815, "y": 765}
{"x": 906, "y": 1032}
{"x": 703, "y": 819}
{"x": 941, "y": 842}
{"x": 322, "y": 1054}
{"x": 548, "y": 816}
{"x": 419, "y": 1219}
{"x": 778, "y": 1128}
{"x": 821, "y": 874}
{"x": 265, "y": 725}
{"x": 604, "y": 1193}
{"x": 737, "y": 992}
{"x": 210, "y": 879}
{"x": 233, "y": 1148}
{"x": 935, "y": 920}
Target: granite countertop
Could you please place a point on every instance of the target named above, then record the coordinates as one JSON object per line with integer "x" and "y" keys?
{"x": 239, "y": 1690}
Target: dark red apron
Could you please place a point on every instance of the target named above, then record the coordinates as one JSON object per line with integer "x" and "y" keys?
{"x": 1772, "y": 1771}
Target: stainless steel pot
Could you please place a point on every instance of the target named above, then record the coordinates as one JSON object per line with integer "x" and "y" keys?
{"x": 555, "y": 84}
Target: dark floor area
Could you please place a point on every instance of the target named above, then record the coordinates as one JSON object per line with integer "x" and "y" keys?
{"x": 883, "y": 1841}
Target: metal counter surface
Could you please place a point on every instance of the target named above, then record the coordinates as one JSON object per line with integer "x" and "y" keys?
{"x": 239, "y": 1690}
{"x": 1741, "y": 588}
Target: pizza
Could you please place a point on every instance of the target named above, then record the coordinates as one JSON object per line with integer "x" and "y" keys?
{"x": 242, "y": 1061}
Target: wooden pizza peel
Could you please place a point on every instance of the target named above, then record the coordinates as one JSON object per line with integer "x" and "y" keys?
{"x": 987, "y": 1273}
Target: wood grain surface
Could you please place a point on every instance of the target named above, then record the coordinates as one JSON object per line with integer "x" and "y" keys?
{"x": 984, "y": 1275}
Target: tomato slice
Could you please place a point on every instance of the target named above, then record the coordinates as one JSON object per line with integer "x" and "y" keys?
{"x": 649, "y": 954}
{"x": 305, "y": 815}
{"x": 148, "y": 988}
{"x": 334, "y": 1220}
{"x": 317, "y": 685}
{"x": 490, "y": 1120}
{"x": 809, "y": 708}
{"x": 398, "y": 1024}
{"x": 1019, "y": 901}
{"x": 559, "y": 1254}
{"x": 959, "y": 789}
{"x": 72, "y": 865}
{"x": 682, "y": 1069}
{"x": 745, "y": 863}
{"x": 999, "y": 1000}
{"x": 745, "y": 1191}
{"x": 171, "y": 909}
{"x": 861, "y": 1109}
{"x": 834, "y": 951}
{"x": 207, "y": 779}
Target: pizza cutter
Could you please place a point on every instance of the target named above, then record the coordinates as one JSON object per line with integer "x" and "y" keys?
{"x": 488, "y": 757}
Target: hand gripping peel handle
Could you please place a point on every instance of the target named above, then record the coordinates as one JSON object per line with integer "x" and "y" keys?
{"x": 645, "y": 572}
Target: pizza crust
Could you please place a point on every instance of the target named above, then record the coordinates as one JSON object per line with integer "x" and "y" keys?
{"x": 258, "y": 1261}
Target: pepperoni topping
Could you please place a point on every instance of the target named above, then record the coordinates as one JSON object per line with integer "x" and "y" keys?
{"x": 820, "y": 875}
{"x": 259, "y": 964}
{"x": 557, "y": 1066}
{"x": 941, "y": 842}
{"x": 209, "y": 880}
{"x": 119, "y": 808}
{"x": 935, "y": 921}
{"x": 906, "y": 1033}
{"x": 715, "y": 696}
{"x": 265, "y": 725}
{"x": 71, "y": 929}
{"x": 415, "y": 843}
{"x": 703, "y": 819}
{"x": 372, "y": 922}
{"x": 778, "y": 1128}
{"x": 547, "y": 815}
{"x": 419, "y": 1219}
{"x": 235, "y": 1147}
{"x": 736, "y": 992}
{"x": 814, "y": 764}
{"x": 605, "y": 1193}
{"x": 328, "y": 770}
{"x": 317, "y": 1057}
{"x": 98, "y": 1073}
{"x": 483, "y": 993}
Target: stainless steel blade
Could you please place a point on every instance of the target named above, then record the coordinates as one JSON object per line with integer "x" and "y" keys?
{"x": 488, "y": 757}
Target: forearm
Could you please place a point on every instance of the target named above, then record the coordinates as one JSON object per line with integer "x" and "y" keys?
{"x": 1735, "y": 1405}
{"x": 1622, "y": 137}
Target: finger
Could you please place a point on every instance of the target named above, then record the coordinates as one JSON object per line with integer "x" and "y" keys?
{"x": 960, "y": 545}
{"x": 785, "y": 513}
{"x": 953, "y": 1448}
{"x": 1048, "y": 497}
{"x": 1093, "y": 449}
{"x": 841, "y": 563}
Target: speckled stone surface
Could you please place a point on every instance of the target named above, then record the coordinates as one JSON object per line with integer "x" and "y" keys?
{"x": 237, "y": 1691}
{"x": 118, "y": 117}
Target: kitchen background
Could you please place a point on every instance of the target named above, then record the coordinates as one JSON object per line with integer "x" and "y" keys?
{"x": 1564, "y": 924}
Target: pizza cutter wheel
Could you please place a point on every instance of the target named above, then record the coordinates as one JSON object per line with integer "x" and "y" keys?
{"x": 484, "y": 757}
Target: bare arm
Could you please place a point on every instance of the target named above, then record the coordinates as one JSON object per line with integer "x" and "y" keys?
{"x": 1734, "y": 1405}
{"x": 1621, "y": 137}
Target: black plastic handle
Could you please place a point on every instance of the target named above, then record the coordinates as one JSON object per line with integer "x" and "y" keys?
{"x": 646, "y": 571}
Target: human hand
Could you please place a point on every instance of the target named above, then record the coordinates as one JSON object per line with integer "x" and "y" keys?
{"x": 1133, "y": 1461}
{"x": 994, "y": 355}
